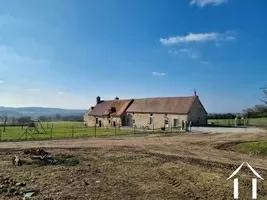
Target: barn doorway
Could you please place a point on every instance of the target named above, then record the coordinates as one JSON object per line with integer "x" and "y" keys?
{"x": 100, "y": 123}
{"x": 114, "y": 123}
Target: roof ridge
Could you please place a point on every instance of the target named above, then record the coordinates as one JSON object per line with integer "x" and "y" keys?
{"x": 174, "y": 97}
{"x": 159, "y": 97}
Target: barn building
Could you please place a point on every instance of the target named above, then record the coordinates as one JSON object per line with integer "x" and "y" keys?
{"x": 150, "y": 112}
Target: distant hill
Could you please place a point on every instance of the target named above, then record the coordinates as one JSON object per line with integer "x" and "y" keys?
{"x": 38, "y": 111}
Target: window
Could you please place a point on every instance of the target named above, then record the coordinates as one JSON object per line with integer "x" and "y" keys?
{"x": 150, "y": 120}
{"x": 151, "y": 115}
{"x": 166, "y": 121}
{"x": 133, "y": 121}
{"x": 96, "y": 120}
{"x": 109, "y": 121}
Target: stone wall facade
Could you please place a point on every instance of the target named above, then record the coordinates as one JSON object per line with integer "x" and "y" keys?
{"x": 155, "y": 120}
{"x": 102, "y": 121}
{"x": 197, "y": 114}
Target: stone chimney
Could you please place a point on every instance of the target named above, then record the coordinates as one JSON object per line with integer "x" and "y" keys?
{"x": 98, "y": 100}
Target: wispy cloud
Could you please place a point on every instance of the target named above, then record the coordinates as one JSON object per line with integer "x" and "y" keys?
{"x": 60, "y": 93}
{"x": 189, "y": 52}
{"x": 158, "y": 74}
{"x": 217, "y": 44}
{"x": 34, "y": 90}
{"x": 204, "y": 62}
{"x": 199, "y": 37}
{"x": 2, "y": 81}
{"x": 203, "y": 3}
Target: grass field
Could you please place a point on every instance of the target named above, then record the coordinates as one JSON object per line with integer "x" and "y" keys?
{"x": 231, "y": 122}
{"x": 56, "y": 130}
{"x": 256, "y": 148}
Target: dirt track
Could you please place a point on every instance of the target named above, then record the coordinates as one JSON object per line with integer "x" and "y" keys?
{"x": 157, "y": 159}
{"x": 201, "y": 146}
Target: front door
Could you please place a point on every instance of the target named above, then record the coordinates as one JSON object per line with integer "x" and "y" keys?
{"x": 100, "y": 123}
{"x": 175, "y": 122}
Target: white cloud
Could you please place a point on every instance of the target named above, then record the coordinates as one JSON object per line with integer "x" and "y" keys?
{"x": 1, "y": 81}
{"x": 203, "y": 3}
{"x": 199, "y": 37}
{"x": 60, "y": 93}
{"x": 158, "y": 74}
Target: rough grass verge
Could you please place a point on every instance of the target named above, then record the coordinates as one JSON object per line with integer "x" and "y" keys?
{"x": 255, "y": 148}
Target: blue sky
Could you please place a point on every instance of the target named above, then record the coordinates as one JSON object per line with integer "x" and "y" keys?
{"x": 64, "y": 53}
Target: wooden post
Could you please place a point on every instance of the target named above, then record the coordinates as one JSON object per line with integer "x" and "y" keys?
{"x": 95, "y": 130}
{"x": 115, "y": 129}
{"x": 51, "y": 133}
{"x": 72, "y": 132}
{"x": 0, "y": 135}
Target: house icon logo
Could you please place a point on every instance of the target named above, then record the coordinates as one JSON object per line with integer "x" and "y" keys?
{"x": 254, "y": 181}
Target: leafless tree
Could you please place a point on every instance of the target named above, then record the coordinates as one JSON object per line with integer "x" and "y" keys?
{"x": 265, "y": 94}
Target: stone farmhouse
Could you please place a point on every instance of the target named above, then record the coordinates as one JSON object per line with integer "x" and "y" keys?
{"x": 147, "y": 112}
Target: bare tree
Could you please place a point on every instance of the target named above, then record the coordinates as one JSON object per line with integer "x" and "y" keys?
{"x": 265, "y": 95}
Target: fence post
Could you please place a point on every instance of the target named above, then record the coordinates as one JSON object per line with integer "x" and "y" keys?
{"x": 72, "y": 132}
{"x": 95, "y": 130}
{"x": 26, "y": 135}
{"x": 171, "y": 127}
{"x": 0, "y": 135}
{"x": 51, "y": 133}
{"x": 153, "y": 128}
{"x": 115, "y": 128}
{"x": 134, "y": 129}
{"x": 46, "y": 125}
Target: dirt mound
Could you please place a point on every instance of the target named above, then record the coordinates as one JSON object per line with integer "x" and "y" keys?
{"x": 37, "y": 152}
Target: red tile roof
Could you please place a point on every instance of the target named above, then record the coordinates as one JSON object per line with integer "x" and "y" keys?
{"x": 168, "y": 105}
{"x": 104, "y": 108}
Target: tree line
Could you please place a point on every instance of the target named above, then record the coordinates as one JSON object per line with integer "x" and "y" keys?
{"x": 259, "y": 110}
{"x": 222, "y": 116}
{"x": 256, "y": 111}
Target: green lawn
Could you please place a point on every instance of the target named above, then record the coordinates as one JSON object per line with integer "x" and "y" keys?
{"x": 257, "y": 148}
{"x": 56, "y": 130}
{"x": 231, "y": 122}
